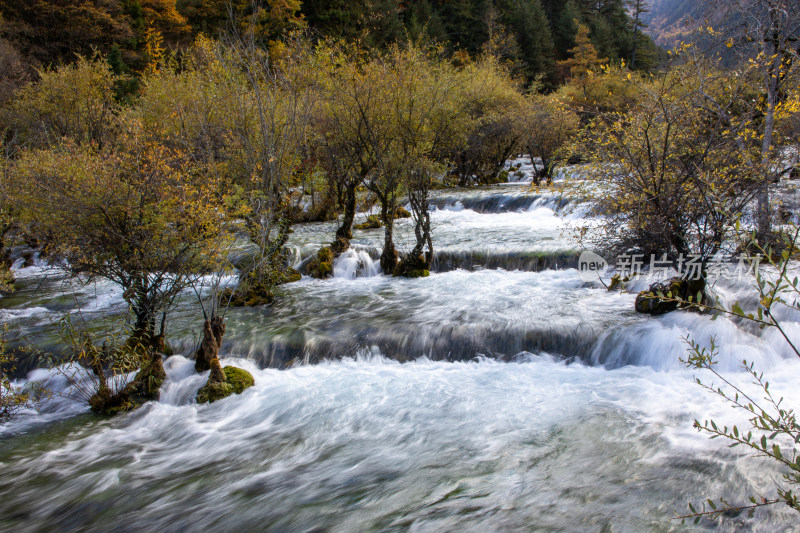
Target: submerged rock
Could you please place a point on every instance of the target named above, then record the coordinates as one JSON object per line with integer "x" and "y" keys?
{"x": 676, "y": 293}
{"x": 234, "y": 381}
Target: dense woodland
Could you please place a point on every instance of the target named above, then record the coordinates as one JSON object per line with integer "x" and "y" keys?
{"x": 532, "y": 35}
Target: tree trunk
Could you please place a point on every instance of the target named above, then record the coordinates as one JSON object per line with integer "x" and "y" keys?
{"x": 773, "y": 73}
{"x": 389, "y": 255}
{"x": 345, "y": 232}
{"x": 637, "y": 11}
{"x": 213, "y": 331}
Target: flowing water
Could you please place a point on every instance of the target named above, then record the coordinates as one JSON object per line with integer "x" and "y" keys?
{"x": 502, "y": 393}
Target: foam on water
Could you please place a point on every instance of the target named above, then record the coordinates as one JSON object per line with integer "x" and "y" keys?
{"x": 368, "y": 444}
{"x": 355, "y": 263}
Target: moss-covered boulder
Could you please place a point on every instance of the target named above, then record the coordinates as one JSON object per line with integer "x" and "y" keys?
{"x": 258, "y": 289}
{"x": 106, "y": 402}
{"x": 372, "y": 222}
{"x": 667, "y": 296}
{"x": 236, "y": 381}
{"x": 146, "y": 385}
{"x": 413, "y": 267}
{"x": 290, "y": 275}
{"x": 401, "y": 212}
{"x": 321, "y": 267}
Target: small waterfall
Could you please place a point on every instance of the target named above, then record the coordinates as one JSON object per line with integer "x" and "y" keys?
{"x": 355, "y": 264}
{"x": 502, "y": 203}
{"x": 524, "y": 260}
{"x": 182, "y": 383}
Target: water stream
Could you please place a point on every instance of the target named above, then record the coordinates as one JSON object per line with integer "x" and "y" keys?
{"x": 502, "y": 393}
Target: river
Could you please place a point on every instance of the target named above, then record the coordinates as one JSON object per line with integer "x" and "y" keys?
{"x": 502, "y": 393}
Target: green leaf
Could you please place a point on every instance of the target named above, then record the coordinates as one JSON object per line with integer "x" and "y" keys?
{"x": 764, "y": 442}
{"x": 776, "y": 450}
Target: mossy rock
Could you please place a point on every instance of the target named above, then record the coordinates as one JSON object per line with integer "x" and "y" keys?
{"x": 239, "y": 378}
{"x": 321, "y": 267}
{"x": 292, "y": 275}
{"x": 670, "y": 295}
{"x": 236, "y": 381}
{"x": 146, "y": 385}
{"x": 401, "y": 212}
{"x": 372, "y": 222}
{"x": 105, "y": 402}
{"x": 412, "y": 267}
{"x": 254, "y": 292}
{"x": 249, "y": 296}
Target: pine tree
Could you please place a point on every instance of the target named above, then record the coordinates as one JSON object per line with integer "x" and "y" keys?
{"x": 533, "y": 37}
{"x": 336, "y": 18}
{"x": 584, "y": 56}
{"x": 564, "y": 26}
{"x": 639, "y": 8}
{"x": 154, "y": 53}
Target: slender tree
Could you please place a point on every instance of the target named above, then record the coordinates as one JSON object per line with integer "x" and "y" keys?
{"x": 766, "y": 34}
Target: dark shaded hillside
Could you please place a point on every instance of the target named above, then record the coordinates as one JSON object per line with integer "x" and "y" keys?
{"x": 531, "y": 35}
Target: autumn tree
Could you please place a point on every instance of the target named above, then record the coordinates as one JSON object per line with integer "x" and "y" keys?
{"x": 491, "y": 100}
{"x": 606, "y": 91}
{"x": 271, "y": 112}
{"x": 765, "y": 33}
{"x": 133, "y": 213}
{"x": 429, "y": 122}
{"x": 673, "y": 171}
{"x": 154, "y": 54}
{"x": 341, "y": 127}
{"x": 164, "y": 16}
{"x": 73, "y": 101}
{"x": 584, "y": 61}
{"x": 7, "y": 216}
{"x": 549, "y": 127}
{"x": 382, "y": 141}
{"x": 358, "y": 139}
